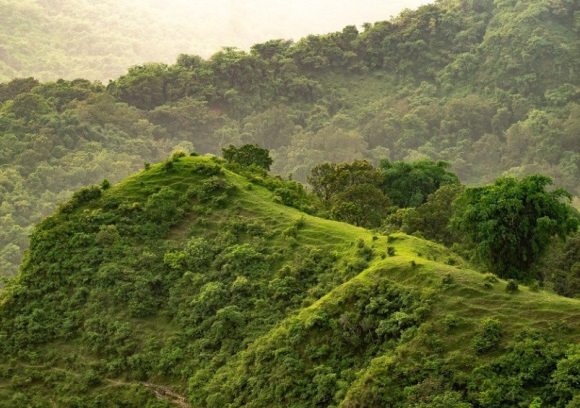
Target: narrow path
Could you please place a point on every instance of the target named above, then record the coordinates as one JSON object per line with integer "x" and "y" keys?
{"x": 161, "y": 392}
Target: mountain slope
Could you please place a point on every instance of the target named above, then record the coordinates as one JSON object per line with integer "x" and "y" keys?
{"x": 189, "y": 284}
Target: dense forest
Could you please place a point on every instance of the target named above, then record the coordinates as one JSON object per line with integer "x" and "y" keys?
{"x": 490, "y": 87}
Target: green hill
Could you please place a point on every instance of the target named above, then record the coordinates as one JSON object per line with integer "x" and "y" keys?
{"x": 189, "y": 284}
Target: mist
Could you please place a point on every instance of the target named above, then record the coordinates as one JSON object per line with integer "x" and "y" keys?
{"x": 244, "y": 23}
{"x": 51, "y": 39}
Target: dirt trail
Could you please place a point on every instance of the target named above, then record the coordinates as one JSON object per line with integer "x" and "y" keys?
{"x": 161, "y": 392}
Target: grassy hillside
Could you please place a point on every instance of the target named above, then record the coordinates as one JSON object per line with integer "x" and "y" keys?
{"x": 189, "y": 284}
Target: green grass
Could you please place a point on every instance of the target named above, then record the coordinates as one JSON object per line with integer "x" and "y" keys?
{"x": 466, "y": 296}
{"x": 455, "y": 299}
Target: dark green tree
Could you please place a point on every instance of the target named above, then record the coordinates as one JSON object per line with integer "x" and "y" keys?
{"x": 248, "y": 155}
{"x": 364, "y": 205}
{"x": 511, "y": 222}
{"x": 329, "y": 179}
{"x": 409, "y": 184}
{"x": 432, "y": 218}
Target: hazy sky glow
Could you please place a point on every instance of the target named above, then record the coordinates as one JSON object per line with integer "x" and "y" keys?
{"x": 101, "y": 39}
{"x": 243, "y": 23}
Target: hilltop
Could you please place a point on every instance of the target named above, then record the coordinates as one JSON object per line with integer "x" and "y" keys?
{"x": 191, "y": 284}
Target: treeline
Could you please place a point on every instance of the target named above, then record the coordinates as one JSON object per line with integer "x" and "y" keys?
{"x": 440, "y": 83}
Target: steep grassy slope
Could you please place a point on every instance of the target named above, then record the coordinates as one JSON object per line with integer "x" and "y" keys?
{"x": 190, "y": 285}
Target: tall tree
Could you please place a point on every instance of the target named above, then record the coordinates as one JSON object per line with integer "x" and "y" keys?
{"x": 511, "y": 222}
{"x": 329, "y": 179}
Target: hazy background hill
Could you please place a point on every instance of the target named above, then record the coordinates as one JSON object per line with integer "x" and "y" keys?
{"x": 51, "y": 39}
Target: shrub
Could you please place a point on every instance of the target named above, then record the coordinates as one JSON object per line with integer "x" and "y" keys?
{"x": 248, "y": 155}
{"x": 512, "y": 286}
{"x": 451, "y": 260}
{"x": 168, "y": 165}
{"x": 364, "y": 251}
{"x": 447, "y": 279}
{"x": 82, "y": 196}
{"x": 451, "y": 321}
{"x": 206, "y": 169}
{"x": 214, "y": 191}
{"x": 488, "y": 337}
{"x": 177, "y": 155}
{"x": 490, "y": 278}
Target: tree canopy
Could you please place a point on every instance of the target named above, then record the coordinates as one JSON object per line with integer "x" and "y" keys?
{"x": 248, "y": 155}
{"x": 512, "y": 221}
{"x": 409, "y": 184}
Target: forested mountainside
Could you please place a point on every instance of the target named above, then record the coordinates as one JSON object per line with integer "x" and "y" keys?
{"x": 490, "y": 87}
{"x": 192, "y": 284}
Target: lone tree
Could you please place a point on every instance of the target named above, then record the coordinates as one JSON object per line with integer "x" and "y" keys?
{"x": 511, "y": 222}
{"x": 248, "y": 155}
{"x": 364, "y": 205}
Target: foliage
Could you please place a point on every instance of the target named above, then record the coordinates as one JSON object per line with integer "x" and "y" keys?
{"x": 511, "y": 222}
{"x": 433, "y": 217}
{"x": 330, "y": 179}
{"x": 441, "y": 83}
{"x": 488, "y": 337}
{"x": 248, "y": 155}
{"x": 410, "y": 184}
{"x": 189, "y": 281}
{"x": 560, "y": 266}
{"x": 361, "y": 204}
{"x": 185, "y": 287}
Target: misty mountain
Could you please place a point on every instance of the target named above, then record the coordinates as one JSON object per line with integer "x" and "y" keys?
{"x": 52, "y": 39}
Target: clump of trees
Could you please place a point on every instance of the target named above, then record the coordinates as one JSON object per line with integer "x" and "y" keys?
{"x": 360, "y": 193}
{"x": 248, "y": 155}
{"x": 509, "y": 224}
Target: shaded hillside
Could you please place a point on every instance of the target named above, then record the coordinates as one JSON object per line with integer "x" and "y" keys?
{"x": 490, "y": 87}
{"x": 187, "y": 284}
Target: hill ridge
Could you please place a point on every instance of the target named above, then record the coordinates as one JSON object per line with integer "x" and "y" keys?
{"x": 252, "y": 307}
